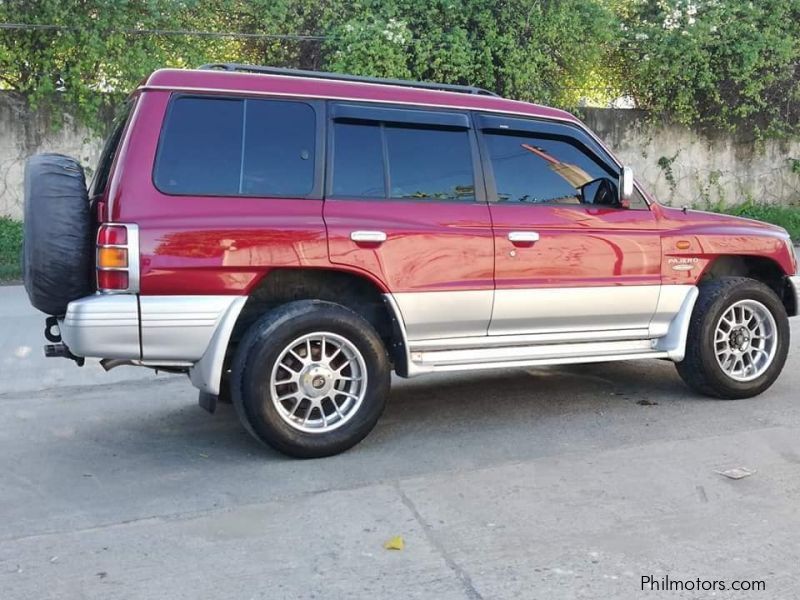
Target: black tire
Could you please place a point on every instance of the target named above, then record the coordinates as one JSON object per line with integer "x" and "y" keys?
{"x": 700, "y": 369}
{"x": 262, "y": 346}
{"x": 57, "y": 256}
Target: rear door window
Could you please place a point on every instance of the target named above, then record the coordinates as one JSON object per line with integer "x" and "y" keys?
{"x": 237, "y": 147}
{"x": 429, "y": 164}
{"x": 358, "y": 161}
{"x": 386, "y": 153}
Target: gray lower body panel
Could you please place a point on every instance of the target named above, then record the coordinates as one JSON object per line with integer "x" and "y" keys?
{"x": 175, "y": 331}
{"x": 547, "y": 310}
{"x": 103, "y": 326}
{"x": 445, "y": 314}
{"x": 547, "y": 326}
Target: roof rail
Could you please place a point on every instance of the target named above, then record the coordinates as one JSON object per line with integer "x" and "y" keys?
{"x": 445, "y": 87}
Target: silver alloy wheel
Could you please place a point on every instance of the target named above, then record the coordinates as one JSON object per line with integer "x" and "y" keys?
{"x": 318, "y": 382}
{"x": 745, "y": 340}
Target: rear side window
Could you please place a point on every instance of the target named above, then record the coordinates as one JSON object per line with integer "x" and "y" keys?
{"x": 100, "y": 180}
{"x": 237, "y": 147}
{"x": 383, "y": 160}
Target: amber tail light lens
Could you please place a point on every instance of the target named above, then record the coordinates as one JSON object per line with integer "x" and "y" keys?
{"x": 112, "y": 258}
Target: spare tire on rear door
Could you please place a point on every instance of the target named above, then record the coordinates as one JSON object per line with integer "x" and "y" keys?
{"x": 57, "y": 233}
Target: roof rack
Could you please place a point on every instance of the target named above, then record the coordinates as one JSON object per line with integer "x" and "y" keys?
{"x": 445, "y": 87}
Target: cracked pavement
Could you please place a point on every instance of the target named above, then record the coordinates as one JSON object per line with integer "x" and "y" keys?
{"x": 541, "y": 483}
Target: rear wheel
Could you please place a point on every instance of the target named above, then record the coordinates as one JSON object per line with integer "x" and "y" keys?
{"x": 310, "y": 379}
{"x": 738, "y": 339}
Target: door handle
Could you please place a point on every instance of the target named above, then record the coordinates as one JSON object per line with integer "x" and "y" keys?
{"x": 368, "y": 237}
{"x": 523, "y": 237}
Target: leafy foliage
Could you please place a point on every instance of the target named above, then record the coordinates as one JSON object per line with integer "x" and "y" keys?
{"x": 92, "y": 54}
{"x": 10, "y": 248}
{"x": 719, "y": 63}
{"x": 787, "y": 217}
{"x": 538, "y": 51}
{"x": 527, "y": 49}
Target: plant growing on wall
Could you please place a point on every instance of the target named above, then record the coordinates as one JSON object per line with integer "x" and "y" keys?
{"x": 723, "y": 64}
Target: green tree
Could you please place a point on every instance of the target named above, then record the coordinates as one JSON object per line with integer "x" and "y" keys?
{"x": 91, "y": 61}
{"x": 720, "y": 63}
{"x": 549, "y": 52}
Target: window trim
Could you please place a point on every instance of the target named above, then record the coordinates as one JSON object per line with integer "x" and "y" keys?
{"x": 431, "y": 119}
{"x": 488, "y": 124}
{"x": 317, "y": 106}
{"x": 345, "y": 111}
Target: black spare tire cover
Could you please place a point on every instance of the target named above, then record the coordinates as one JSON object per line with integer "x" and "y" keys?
{"x": 57, "y": 243}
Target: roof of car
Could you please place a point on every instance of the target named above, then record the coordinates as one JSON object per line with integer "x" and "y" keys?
{"x": 272, "y": 84}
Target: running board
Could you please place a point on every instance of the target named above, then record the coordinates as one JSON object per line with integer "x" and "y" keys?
{"x": 425, "y": 361}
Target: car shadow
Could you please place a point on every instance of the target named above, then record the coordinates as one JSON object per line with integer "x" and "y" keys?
{"x": 474, "y": 405}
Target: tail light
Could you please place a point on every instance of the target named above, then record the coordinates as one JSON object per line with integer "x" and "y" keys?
{"x": 117, "y": 258}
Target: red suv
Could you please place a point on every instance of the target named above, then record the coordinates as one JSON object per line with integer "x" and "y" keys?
{"x": 289, "y": 238}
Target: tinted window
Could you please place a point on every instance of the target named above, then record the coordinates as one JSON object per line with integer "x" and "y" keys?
{"x": 227, "y": 147}
{"x": 110, "y": 148}
{"x": 537, "y": 170}
{"x": 201, "y": 147}
{"x": 358, "y": 161}
{"x": 423, "y": 163}
{"x": 429, "y": 164}
{"x": 278, "y": 149}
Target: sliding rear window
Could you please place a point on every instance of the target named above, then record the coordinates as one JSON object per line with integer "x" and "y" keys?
{"x": 237, "y": 147}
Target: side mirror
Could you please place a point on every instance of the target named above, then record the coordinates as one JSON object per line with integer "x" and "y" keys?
{"x": 599, "y": 192}
{"x": 625, "y": 187}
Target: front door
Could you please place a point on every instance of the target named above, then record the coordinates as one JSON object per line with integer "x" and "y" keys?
{"x": 568, "y": 258}
{"x": 402, "y": 206}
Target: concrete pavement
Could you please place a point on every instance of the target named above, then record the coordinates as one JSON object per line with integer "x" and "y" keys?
{"x": 23, "y": 366}
{"x": 546, "y": 483}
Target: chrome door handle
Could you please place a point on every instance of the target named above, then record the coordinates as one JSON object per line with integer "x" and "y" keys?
{"x": 371, "y": 237}
{"x": 523, "y": 237}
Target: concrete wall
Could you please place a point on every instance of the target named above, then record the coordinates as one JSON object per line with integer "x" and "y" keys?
{"x": 682, "y": 166}
{"x": 677, "y": 164}
{"x": 24, "y": 132}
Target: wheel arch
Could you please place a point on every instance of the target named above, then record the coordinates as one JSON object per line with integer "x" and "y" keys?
{"x": 761, "y": 268}
{"x": 355, "y": 291}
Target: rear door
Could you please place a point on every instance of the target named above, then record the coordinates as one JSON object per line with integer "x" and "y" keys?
{"x": 404, "y": 205}
{"x": 568, "y": 258}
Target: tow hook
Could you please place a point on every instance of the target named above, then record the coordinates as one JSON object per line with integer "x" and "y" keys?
{"x": 57, "y": 349}
{"x": 60, "y": 350}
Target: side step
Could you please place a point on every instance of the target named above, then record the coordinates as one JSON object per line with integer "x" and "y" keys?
{"x": 487, "y": 357}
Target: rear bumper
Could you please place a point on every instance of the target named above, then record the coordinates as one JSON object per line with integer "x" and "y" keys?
{"x": 103, "y": 326}
{"x": 794, "y": 283}
{"x": 185, "y": 331}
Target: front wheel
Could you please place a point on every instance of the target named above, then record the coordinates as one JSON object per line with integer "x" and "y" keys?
{"x": 310, "y": 379}
{"x": 738, "y": 339}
